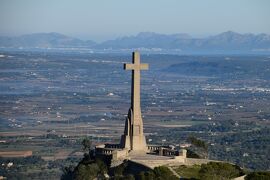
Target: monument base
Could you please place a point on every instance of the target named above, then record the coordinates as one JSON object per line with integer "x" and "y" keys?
{"x": 152, "y": 155}
{"x": 134, "y": 143}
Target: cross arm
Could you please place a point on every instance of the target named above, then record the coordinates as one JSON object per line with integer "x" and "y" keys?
{"x": 144, "y": 66}
{"x": 128, "y": 66}
{"x": 136, "y": 67}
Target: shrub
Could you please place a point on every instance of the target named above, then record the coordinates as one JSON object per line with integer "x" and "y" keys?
{"x": 220, "y": 170}
{"x": 258, "y": 176}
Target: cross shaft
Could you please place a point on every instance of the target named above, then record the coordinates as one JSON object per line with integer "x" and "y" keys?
{"x": 135, "y": 86}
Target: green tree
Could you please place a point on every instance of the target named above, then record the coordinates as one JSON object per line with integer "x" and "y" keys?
{"x": 198, "y": 143}
{"x": 86, "y": 172}
{"x": 86, "y": 144}
{"x": 219, "y": 170}
{"x": 67, "y": 173}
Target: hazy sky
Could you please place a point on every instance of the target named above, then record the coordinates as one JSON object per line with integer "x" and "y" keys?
{"x": 106, "y": 19}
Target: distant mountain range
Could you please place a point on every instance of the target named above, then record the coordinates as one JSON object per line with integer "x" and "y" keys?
{"x": 44, "y": 40}
{"x": 148, "y": 41}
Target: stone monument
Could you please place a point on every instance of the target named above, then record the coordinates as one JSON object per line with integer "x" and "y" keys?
{"x": 133, "y": 145}
{"x": 133, "y": 138}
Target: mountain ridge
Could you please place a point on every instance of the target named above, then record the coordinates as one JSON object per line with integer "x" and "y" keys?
{"x": 225, "y": 41}
{"x": 43, "y": 40}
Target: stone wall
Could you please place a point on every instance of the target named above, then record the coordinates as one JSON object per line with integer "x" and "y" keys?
{"x": 120, "y": 154}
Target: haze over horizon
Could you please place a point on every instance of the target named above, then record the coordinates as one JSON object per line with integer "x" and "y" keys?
{"x": 104, "y": 20}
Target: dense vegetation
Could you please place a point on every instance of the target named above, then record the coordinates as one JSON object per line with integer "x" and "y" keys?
{"x": 95, "y": 168}
{"x": 258, "y": 176}
{"x": 161, "y": 173}
{"x": 197, "y": 142}
{"x": 91, "y": 167}
{"x": 246, "y": 144}
{"x": 211, "y": 170}
{"x": 89, "y": 170}
{"x": 33, "y": 167}
{"x": 25, "y": 168}
{"x": 216, "y": 170}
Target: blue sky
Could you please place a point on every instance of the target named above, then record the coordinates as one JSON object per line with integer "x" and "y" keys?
{"x": 107, "y": 19}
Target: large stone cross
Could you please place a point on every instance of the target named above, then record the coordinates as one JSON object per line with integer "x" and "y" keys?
{"x": 135, "y": 86}
{"x": 133, "y": 138}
